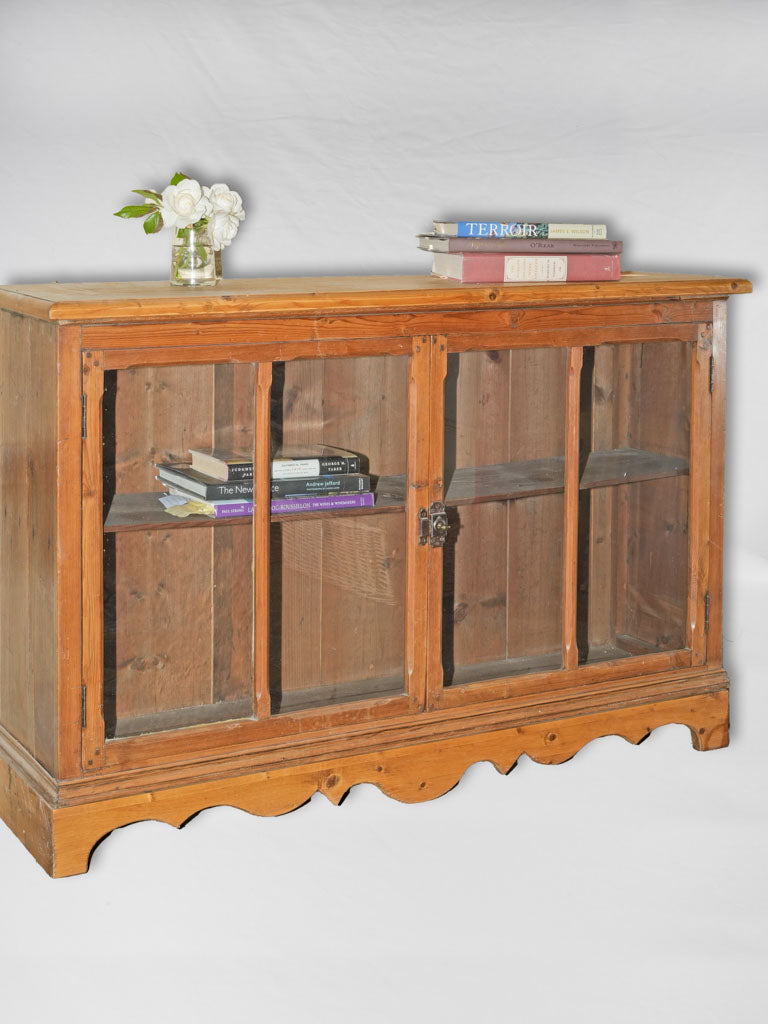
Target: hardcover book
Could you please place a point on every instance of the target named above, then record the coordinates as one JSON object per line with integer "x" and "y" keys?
{"x": 329, "y": 483}
{"x": 309, "y": 460}
{"x": 203, "y": 486}
{"x": 542, "y": 246}
{"x": 518, "y": 229}
{"x": 222, "y": 464}
{"x": 279, "y": 506}
{"x": 495, "y": 268}
{"x": 313, "y": 460}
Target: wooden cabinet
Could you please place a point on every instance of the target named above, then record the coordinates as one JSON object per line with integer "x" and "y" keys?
{"x": 542, "y": 564}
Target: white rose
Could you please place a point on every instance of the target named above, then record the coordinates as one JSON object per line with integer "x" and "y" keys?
{"x": 224, "y": 200}
{"x": 184, "y": 204}
{"x": 222, "y": 228}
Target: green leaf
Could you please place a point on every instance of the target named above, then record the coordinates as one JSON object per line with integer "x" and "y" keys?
{"x": 153, "y": 223}
{"x": 179, "y": 176}
{"x": 133, "y": 211}
{"x": 154, "y": 197}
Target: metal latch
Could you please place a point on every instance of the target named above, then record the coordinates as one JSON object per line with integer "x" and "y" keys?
{"x": 433, "y": 525}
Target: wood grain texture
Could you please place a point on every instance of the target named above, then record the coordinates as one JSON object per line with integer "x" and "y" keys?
{"x": 260, "y": 553}
{"x": 716, "y": 484}
{"x": 571, "y": 544}
{"x": 699, "y": 496}
{"x": 318, "y": 336}
{"x": 28, "y": 532}
{"x": 154, "y": 299}
{"x": 69, "y": 445}
{"x": 93, "y": 565}
{"x": 410, "y": 774}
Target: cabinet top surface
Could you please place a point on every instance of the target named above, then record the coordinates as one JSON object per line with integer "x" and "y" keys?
{"x": 151, "y": 300}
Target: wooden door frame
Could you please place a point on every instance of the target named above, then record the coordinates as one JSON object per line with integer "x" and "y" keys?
{"x": 96, "y": 751}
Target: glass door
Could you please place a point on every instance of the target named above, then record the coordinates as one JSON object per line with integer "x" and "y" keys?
{"x": 633, "y": 515}
{"x": 504, "y": 459}
{"x": 570, "y": 538}
{"x": 338, "y": 539}
{"x": 247, "y": 548}
{"x": 178, "y": 608}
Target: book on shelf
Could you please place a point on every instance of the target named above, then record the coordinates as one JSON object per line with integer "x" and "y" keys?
{"x": 222, "y": 463}
{"x": 518, "y": 229}
{"x": 329, "y": 483}
{"x": 305, "y": 461}
{"x": 202, "y": 486}
{"x": 181, "y": 474}
{"x": 541, "y": 246}
{"x": 313, "y": 460}
{"x": 495, "y": 268}
{"x": 278, "y": 506}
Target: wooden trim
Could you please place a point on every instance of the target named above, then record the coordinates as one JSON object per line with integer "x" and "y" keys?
{"x": 699, "y": 495}
{"x": 571, "y": 525}
{"x": 410, "y": 774}
{"x": 235, "y": 754}
{"x": 417, "y": 496}
{"x": 577, "y": 336}
{"x": 468, "y": 703}
{"x": 26, "y": 810}
{"x": 369, "y": 326}
{"x": 93, "y": 735}
{"x": 716, "y": 484}
{"x": 262, "y": 461}
{"x": 121, "y": 359}
{"x": 69, "y": 414}
{"x": 116, "y": 301}
{"x": 439, "y": 368}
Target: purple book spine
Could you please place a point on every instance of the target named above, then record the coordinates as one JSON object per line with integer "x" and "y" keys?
{"x": 280, "y": 506}
{"x": 317, "y": 503}
{"x": 227, "y": 509}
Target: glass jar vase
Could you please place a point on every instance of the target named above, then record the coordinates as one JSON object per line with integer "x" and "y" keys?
{"x": 193, "y": 261}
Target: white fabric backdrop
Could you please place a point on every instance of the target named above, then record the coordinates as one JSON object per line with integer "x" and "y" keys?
{"x": 628, "y": 885}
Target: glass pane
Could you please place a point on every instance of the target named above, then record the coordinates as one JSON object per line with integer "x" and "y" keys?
{"x": 504, "y": 474}
{"x": 337, "y": 584}
{"x": 178, "y": 592}
{"x": 633, "y": 514}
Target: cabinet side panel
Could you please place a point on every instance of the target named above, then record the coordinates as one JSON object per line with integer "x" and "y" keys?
{"x": 28, "y": 534}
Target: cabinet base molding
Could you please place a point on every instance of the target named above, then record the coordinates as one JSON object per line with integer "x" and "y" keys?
{"x": 63, "y": 838}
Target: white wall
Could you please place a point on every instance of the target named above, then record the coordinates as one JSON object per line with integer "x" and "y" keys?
{"x": 628, "y": 885}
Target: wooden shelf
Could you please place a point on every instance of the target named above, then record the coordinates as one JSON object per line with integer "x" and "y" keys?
{"x": 467, "y": 486}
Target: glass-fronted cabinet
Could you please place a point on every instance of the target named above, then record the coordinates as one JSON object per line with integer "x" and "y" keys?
{"x": 303, "y": 539}
{"x": 286, "y": 536}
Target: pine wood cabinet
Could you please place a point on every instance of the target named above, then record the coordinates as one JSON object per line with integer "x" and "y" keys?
{"x": 542, "y": 564}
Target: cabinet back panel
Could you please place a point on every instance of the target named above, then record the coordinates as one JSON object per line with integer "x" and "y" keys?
{"x": 181, "y": 632}
{"x": 157, "y": 414}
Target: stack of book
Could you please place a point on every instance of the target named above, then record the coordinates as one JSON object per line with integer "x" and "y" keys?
{"x": 493, "y": 252}
{"x": 313, "y": 478}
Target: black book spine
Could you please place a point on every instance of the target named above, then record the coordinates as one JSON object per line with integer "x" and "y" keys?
{"x": 240, "y": 471}
{"x": 329, "y": 464}
{"x": 235, "y": 490}
{"x": 335, "y": 483}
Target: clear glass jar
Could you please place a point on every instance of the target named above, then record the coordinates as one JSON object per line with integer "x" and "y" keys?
{"x": 193, "y": 261}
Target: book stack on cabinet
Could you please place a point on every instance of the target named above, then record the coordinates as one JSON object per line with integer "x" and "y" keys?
{"x": 219, "y": 483}
{"x": 510, "y": 251}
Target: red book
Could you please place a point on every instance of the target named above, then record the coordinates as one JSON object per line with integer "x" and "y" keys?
{"x": 498, "y": 268}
